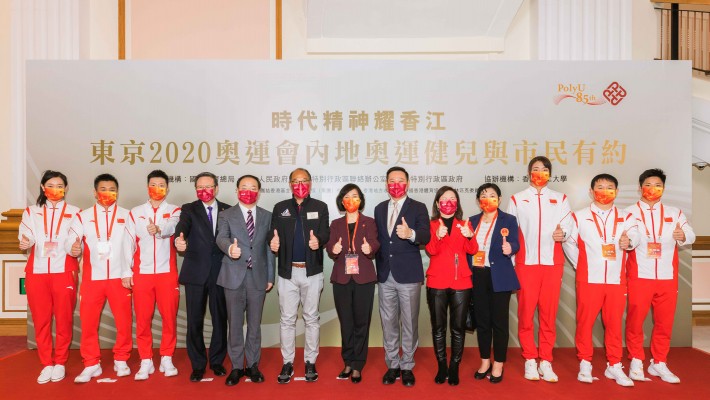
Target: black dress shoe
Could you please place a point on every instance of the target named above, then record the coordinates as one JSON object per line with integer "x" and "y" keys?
{"x": 481, "y": 375}
{"x": 407, "y": 377}
{"x": 497, "y": 379}
{"x": 234, "y": 377}
{"x": 197, "y": 375}
{"x": 218, "y": 370}
{"x": 391, "y": 376}
{"x": 345, "y": 375}
{"x": 355, "y": 379}
{"x": 254, "y": 374}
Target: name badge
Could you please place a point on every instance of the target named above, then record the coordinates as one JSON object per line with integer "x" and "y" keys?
{"x": 50, "y": 249}
{"x": 653, "y": 251}
{"x": 351, "y": 264}
{"x": 312, "y": 215}
{"x": 609, "y": 252}
{"x": 479, "y": 259}
{"x": 103, "y": 250}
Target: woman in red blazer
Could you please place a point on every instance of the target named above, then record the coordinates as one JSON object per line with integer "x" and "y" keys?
{"x": 353, "y": 245}
{"x": 449, "y": 279}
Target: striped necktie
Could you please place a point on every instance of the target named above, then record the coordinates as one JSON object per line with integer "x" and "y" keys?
{"x": 250, "y": 230}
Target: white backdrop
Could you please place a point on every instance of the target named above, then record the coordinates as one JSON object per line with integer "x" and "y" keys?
{"x": 449, "y": 123}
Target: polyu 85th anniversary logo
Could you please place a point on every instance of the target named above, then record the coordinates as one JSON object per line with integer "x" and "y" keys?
{"x": 580, "y": 93}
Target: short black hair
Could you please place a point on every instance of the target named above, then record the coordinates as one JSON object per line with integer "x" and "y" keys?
{"x": 258, "y": 182}
{"x": 299, "y": 169}
{"x": 47, "y": 175}
{"x": 544, "y": 160}
{"x": 604, "y": 177}
{"x": 158, "y": 173}
{"x": 204, "y": 174}
{"x": 651, "y": 173}
{"x": 436, "y": 214}
{"x": 105, "y": 178}
{"x": 395, "y": 169}
{"x": 487, "y": 186}
{"x": 345, "y": 190}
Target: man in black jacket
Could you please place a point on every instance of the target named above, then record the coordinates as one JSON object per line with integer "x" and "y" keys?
{"x": 299, "y": 231}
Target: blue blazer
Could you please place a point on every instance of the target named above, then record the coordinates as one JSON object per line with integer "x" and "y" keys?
{"x": 502, "y": 270}
{"x": 402, "y": 257}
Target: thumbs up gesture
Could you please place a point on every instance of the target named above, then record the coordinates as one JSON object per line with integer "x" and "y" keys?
{"x": 403, "y": 230}
{"x": 234, "y": 250}
{"x": 338, "y": 246}
{"x": 506, "y": 247}
{"x": 366, "y": 248}
{"x": 466, "y": 230}
{"x": 441, "y": 231}
{"x": 313, "y": 241}
{"x": 24, "y": 243}
{"x": 152, "y": 227}
{"x": 558, "y": 235}
{"x": 678, "y": 233}
{"x": 275, "y": 243}
{"x": 624, "y": 241}
{"x": 181, "y": 243}
{"x": 76, "y": 248}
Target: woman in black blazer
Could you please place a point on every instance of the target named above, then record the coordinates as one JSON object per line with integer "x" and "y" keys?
{"x": 494, "y": 279}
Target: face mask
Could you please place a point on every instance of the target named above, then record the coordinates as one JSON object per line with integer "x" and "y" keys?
{"x": 604, "y": 196}
{"x": 650, "y": 193}
{"x": 247, "y": 196}
{"x": 397, "y": 190}
{"x": 301, "y": 190}
{"x": 206, "y": 195}
{"x": 106, "y": 199}
{"x": 54, "y": 194}
{"x": 157, "y": 193}
{"x": 488, "y": 204}
{"x": 448, "y": 207}
{"x": 351, "y": 204}
{"x": 539, "y": 178}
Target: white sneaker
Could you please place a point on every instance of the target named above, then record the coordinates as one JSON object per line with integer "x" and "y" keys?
{"x": 121, "y": 368}
{"x": 88, "y": 373}
{"x": 58, "y": 373}
{"x": 145, "y": 370}
{"x": 167, "y": 367}
{"x": 46, "y": 375}
{"x": 616, "y": 372}
{"x": 531, "y": 370}
{"x": 636, "y": 370}
{"x": 585, "y": 372}
{"x": 546, "y": 372}
{"x": 661, "y": 370}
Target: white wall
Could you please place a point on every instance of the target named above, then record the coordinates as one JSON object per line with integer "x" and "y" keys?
{"x": 5, "y": 158}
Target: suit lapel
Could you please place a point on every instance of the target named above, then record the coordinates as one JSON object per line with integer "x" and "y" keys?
{"x": 202, "y": 215}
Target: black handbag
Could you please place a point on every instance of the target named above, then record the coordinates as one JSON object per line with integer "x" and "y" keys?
{"x": 470, "y": 316}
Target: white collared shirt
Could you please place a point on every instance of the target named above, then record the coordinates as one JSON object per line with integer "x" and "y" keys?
{"x": 245, "y": 213}
{"x": 390, "y": 209}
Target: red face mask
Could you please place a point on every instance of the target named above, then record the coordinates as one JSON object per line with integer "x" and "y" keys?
{"x": 301, "y": 190}
{"x": 604, "y": 196}
{"x": 54, "y": 194}
{"x": 650, "y": 193}
{"x": 157, "y": 193}
{"x": 351, "y": 204}
{"x": 539, "y": 178}
{"x": 488, "y": 204}
{"x": 397, "y": 190}
{"x": 248, "y": 196}
{"x": 106, "y": 199}
{"x": 206, "y": 195}
{"x": 448, "y": 207}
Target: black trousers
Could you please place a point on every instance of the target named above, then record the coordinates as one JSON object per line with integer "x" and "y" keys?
{"x": 453, "y": 305}
{"x": 491, "y": 310}
{"x": 197, "y": 298}
{"x": 354, "y": 302}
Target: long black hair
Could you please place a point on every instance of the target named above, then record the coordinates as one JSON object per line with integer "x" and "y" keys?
{"x": 49, "y": 174}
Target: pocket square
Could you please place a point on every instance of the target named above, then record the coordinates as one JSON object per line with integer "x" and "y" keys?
{"x": 286, "y": 213}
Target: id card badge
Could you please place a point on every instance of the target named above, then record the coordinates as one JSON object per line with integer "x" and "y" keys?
{"x": 103, "y": 250}
{"x": 609, "y": 251}
{"x": 479, "y": 259}
{"x": 50, "y": 249}
{"x": 351, "y": 264}
{"x": 653, "y": 251}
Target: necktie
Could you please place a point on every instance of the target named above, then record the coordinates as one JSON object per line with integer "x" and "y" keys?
{"x": 209, "y": 217}
{"x": 393, "y": 217}
{"x": 250, "y": 230}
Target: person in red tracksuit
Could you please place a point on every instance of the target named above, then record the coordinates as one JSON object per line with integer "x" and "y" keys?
{"x": 545, "y": 220}
{"x": 597, "y": 248}
{"x": 653, "y": 276}
{"x": 50, "y": 273}
{"x": 104, "y": 236}
{"x": 155, "y": 277}
{"x": 448, "y": 284}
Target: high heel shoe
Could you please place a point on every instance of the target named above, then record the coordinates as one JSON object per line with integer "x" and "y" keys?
{"x": 482, "y": 375}
{"x": 497, "y": 379}
{"x": 355, "y": 379}
{"x": 345, "y": 375}
{"x": 442, "y": 374}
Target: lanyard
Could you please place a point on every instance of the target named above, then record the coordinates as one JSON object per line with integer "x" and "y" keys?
{"x": 643, "y": 218}
{"x": 599, "y": 229}
{"x": 109, "y": 227}
{"x": 480, "y": 221}
{"x": 59, "y": 225}
{"x": 351, "y": 242}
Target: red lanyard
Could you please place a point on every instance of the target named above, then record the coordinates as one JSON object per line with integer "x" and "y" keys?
{"x": 475, "y": 234}
{"x": 643, "y": 218}
{"x": 599, "y": 229}
{"x": 109, "y": 228}
{"x": 61, "y": 217}
{"x": 351, "y": 242}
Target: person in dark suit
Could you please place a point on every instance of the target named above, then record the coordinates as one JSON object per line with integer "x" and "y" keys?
{"x": 299, "y": 231}
{"x": 494, "y": 279}
{"x": 247, "y": 274}
{"x": 195, "y": 238}
{"x": 402, "y": 226}
{"x": 353, "y": 244}
{"x": 448, "y": 285}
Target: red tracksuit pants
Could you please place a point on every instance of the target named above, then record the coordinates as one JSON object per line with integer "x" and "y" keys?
{"x": 663, "y": 296}
{"x": 91, "y": 304}
{"x": 52, "y": 296}
{"x": 539, "y": 289}
{"x": 610, "y": 300}
{"x": 149, "y": 289}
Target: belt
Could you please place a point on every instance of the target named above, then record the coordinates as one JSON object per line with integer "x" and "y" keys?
{"x": 298, "y": 264}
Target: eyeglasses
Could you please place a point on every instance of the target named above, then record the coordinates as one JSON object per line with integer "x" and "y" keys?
{"x": 204, "y": 187}
{"x": 294, "y": 182}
